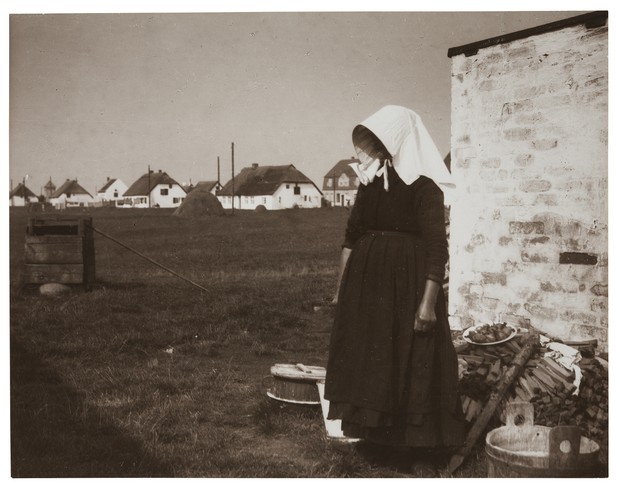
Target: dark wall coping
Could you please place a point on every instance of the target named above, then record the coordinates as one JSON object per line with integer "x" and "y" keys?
{"x": 591, "y": 20}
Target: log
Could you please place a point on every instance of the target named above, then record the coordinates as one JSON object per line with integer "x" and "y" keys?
{"x": 515, "y": 370}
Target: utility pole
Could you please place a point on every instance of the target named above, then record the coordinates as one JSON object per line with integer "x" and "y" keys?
{"x": 334, "y": 185}
{"x": 148, "y": 189}
{"x": 232, "y": 149}
{"x": 218, "y": 171}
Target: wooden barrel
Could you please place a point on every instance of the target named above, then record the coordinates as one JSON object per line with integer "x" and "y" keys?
{"x": 522, "y": 449}
{"x": 296, "y": 383}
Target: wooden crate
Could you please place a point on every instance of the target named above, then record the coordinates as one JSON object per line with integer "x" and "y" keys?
{"x": 59, "y": 249}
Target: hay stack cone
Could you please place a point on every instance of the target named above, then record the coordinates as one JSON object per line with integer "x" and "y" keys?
{"x": 199, "y": 203}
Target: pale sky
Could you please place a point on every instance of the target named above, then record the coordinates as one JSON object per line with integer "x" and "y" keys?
{"x": 106, "y": 95}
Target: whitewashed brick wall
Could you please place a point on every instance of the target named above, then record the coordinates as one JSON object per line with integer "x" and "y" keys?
{"x": 529, "y": 152}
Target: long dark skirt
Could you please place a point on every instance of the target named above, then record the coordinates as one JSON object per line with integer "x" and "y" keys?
{"x": 386, "y": 383}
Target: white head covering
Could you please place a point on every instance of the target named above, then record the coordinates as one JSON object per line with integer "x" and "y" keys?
{"x": 413, "y": 151}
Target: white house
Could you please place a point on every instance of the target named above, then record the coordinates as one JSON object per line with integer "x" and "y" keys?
{"x": 153, "y": 190}
{"x": 22, "y": 196}
{"x": 340, "y": 183}
{"x": 274, "y": 187}
{"x": 71, "y": 194}
{"x": 112, "y": 190}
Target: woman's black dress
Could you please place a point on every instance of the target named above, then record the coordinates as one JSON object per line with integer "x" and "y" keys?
{"x": 386, "y": 383}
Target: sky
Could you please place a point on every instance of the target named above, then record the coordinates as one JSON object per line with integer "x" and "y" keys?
{"x": 93, "y": 96}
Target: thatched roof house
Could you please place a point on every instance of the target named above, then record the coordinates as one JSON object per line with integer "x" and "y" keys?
{"x": 274, "y": 187}
{"x": 154, "y": 189}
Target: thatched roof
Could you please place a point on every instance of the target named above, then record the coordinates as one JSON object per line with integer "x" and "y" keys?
{"x": 22, "y": 191}
{"x": 108, "y": 183}
{"x": 141, "y": 186}
{"x": 69, "y": 187}
{"x": 205, "y": 185}
{"x": 264, "y": 180}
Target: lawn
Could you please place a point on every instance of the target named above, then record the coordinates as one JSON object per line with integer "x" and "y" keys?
{"x": 147, "y": 376}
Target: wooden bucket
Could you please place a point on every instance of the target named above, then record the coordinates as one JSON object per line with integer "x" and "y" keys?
{"x": 296, "y": 383}
{"x": 522, "y": 449}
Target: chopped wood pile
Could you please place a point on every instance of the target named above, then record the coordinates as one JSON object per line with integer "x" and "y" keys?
{"x": 544, "y": 383}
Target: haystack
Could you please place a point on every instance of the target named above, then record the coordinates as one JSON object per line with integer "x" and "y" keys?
{"x": 199, "y": 203}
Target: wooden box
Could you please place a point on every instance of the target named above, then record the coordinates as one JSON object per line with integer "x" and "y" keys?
{"x": 59, "y": 249}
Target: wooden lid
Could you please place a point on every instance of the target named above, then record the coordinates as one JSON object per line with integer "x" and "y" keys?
{"x": 298, "y": 372}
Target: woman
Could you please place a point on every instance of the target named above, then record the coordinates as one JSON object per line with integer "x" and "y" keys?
{"x": 392, "y": 369}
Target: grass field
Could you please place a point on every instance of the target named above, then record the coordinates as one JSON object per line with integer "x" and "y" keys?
{"x": 147, "y": 376}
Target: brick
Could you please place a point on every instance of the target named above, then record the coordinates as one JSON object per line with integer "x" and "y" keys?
{"x": 540, "y": 311}
{"x": 493, "y": 278}
{"x": 512, "y": 107}
{"x": 535, "y": 186}
{"x": 598, "y": 305}
{"x": 546, "y": 200}
{"x": 534, "y": 257}
{"x": 530, "y": 118}
{"x": 465, "y": 153}
{"x": 490, "y": 303}
{"x": 578, "y": 258}
{"x": 545, "y": 144}
{"x": 578, "y": 316}
{"x": 520, "y": 52}
{"x": 526, "y": 227}
{"x": 536, "y": 240}
{"x": 599, "y": 289}
{"x": 493, "y": 162}
{"x": 520, "y": 133}
{"x": 524, "y": 160}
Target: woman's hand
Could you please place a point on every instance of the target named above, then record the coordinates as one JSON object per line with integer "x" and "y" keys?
{"x": 425, "y": 319}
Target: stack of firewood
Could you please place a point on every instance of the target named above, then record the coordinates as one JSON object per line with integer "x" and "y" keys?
{"x": 544, "y": 382}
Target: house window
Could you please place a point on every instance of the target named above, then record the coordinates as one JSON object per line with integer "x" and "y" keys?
{"x": 279, "y": 199}
{"x": 305, "y": 197}
{"x": 296, "y": 190}
{"x": 252, "y": 199}
{"x": 170, "y": 185}
{"x": 343, "y": 181}
{"x": 328, "y": 182}
{"x": 264, "y": 201}
{"x": 288, "y": 186}
{"x": 116, "y": 193}
{"x": 163, "y": 191}
{"x": 175, "y": 200}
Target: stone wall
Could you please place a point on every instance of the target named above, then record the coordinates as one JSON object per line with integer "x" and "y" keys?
{"x": 528, "y": 236}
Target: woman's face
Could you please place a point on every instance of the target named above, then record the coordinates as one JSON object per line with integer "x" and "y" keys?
{"x": 368, "y": 149}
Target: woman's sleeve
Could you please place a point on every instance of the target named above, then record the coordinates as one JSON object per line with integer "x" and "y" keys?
{"x": 355, "y": 227}
{"x": 431, "y": 218}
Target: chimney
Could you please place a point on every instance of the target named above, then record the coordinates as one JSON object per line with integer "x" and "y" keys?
{"x": 159, "y": 170}
{"x": 255, "y": 165}
{"x": 108, "y": 178}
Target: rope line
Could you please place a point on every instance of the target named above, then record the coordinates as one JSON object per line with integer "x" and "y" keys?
{"x": 167, "y": 269}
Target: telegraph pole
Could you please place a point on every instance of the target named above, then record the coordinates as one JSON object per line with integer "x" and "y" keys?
{"x": 148, "y": 190}
{"x": 218, "y": 171}
{"x": 334, "y": 185}
{"x": 232, "y": 149}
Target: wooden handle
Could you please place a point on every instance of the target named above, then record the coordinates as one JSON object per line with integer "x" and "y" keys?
{"x": 519, "y": 414}
{"x": 564, "y": 446}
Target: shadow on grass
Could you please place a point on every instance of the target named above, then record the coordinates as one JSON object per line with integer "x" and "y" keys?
{"x": 53, "y": 435}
